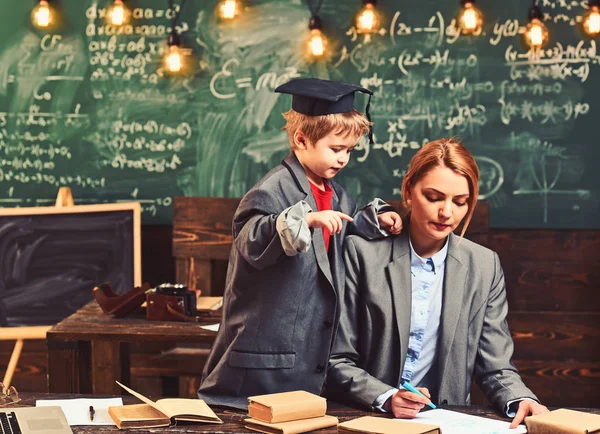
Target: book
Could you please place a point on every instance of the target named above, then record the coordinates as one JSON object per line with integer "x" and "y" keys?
{"x": 204, "y": 304}
{"x": 382, "y": 425}
{"x": 286, "y": 406}
{"x": 137, "y": 416}
{"x": 163, "y": 412}
{"x": 563, "y": 421}
{"x": 291, "y": 427}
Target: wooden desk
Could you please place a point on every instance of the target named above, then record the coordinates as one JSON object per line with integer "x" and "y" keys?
{"x": 89, "y": 350}
{"x": 233, "y": 419}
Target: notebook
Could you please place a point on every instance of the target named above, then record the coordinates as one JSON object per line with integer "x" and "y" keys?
{"x": 34, "y": 420}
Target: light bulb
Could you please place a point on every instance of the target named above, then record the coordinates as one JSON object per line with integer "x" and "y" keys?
{"x": 367, "y": 20}
{"x": 229, "y": 9}
{"x": 118, "y": 14}
{"x": 536, "y": 34}
{"x": 470, "y": 18}
{"x": 173, "y": 60}
{"x": 316, "y": 43}
{"x": 42, "y": 16}
{"x": 591, "y": 22}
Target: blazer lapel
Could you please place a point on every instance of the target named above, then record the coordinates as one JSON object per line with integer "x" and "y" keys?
{"x": 318, "y": 242}
{"x": 398, "y": 274}
{"x": 455, "y": 277}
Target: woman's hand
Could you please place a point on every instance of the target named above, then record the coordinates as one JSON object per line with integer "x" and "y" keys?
{"x": 405, "y": 405}
{"x": 526, "y": 408}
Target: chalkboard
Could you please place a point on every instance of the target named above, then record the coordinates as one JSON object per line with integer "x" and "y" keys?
{"x": 90, "y": 107}
{"x": 51, "y": 258}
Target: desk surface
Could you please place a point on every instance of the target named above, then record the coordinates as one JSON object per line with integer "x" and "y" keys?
{"x": 233, "y": 419}
{"x": 90, "y": 322}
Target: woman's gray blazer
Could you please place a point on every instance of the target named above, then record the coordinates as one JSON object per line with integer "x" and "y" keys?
{"x": 474, "y": 340}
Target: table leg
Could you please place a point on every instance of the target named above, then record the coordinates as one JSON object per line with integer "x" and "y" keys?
{"x": 68, "y": 366}
{"x": 109, "y": 362}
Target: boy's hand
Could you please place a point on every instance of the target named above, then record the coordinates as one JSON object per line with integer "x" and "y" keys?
{"x": 390, "y": 221}
{"x": 332, "y": 220}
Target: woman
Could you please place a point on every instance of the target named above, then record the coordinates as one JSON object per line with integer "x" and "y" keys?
{"x": 427, "y": 307}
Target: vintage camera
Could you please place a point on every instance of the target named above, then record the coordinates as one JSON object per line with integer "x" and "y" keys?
{"x": 170, "y": 302}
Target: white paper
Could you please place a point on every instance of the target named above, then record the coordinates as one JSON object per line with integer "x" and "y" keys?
{"x": 77, "y": 410}
{"x": 211, "y": 327}
{"x": 453, "y": 422}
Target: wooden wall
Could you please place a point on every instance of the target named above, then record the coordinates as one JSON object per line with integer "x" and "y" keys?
{"x": 553, "y": 284}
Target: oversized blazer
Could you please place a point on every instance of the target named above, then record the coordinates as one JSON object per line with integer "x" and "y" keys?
{"x": 280, "y": 312}
{"x": 474, "y": 340}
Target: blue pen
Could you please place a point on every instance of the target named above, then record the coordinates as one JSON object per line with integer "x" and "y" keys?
{"x": 413, "y": 390}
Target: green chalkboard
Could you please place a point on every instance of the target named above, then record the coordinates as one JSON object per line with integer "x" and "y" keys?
{"x": 89, "y": 107}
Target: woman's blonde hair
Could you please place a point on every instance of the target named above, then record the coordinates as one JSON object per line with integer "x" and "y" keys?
{"x": 316, "y": 127}
{"x": 448, "y": 153}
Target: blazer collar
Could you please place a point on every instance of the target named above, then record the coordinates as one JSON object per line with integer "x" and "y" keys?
{"x": 297, "y": 171}
{"x": 455, "y": 280}
{"x": 292, "y": 163}
{"x": 398, "y": 274}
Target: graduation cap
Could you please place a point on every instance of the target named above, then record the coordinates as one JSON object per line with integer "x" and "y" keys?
{"x": 316, "y": 97}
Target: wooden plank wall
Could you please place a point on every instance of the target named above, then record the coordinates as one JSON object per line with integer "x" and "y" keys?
{"x": 553, "y": 285}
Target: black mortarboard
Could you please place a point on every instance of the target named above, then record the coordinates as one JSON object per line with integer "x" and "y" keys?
{"x": 316, "y": 97}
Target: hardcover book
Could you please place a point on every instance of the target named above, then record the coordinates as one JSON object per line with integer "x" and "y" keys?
{"x": 286, "y": 406}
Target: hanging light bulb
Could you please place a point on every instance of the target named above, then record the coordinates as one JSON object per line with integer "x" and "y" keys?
{"x": 591, "y": 21}
{"x": 42, "y": 15}
{"x": 229, "y": 9}
{"x": 367, "y": 20}
{"x": 174, "y": 57}
{"x": 536, "y": 34}
{"x": 317, "y": 43}
{"x": 470, "y": 19}
{"x": 118, "y": 14}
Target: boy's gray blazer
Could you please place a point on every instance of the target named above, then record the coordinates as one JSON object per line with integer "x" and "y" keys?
{"x": 280, "y": 312}
{"x": 474, "y": 339}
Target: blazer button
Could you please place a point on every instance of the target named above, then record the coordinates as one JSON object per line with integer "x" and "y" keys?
{"x": 444, "y": 402}
{"x": 327, "y": 324}
{"x": 320, "y": 369}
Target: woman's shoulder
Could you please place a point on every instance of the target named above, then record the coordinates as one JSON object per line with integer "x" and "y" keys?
{"x": 471, "y": 251}
{"x": 371, "y": 247}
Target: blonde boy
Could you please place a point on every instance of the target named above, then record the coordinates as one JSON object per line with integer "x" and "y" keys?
{"x": 286, "y": 273}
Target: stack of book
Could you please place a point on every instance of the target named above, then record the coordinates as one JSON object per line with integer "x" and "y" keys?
{"x": 288, "y": 413}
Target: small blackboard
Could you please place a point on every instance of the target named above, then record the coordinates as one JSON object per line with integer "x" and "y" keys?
{"x": 52, "y": 257}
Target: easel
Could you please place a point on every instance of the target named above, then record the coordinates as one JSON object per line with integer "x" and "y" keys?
{"x": 64, "y": 198}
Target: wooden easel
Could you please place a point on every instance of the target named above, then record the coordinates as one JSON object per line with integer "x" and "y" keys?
{"x": 64, "y": 198}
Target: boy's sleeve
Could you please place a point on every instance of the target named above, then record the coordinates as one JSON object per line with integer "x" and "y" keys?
{"x": 365, "y": 222}
{"x": 255, "y": 230}
{"x": 293, "y": 230}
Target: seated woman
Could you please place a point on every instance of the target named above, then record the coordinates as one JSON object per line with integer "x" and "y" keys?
{"x": 427, "y": 307}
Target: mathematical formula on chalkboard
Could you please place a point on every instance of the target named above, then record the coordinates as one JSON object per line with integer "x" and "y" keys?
{"x": 88, "y": 106}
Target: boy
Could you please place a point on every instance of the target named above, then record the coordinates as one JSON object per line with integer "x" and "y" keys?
{"x": 285, "y": 279}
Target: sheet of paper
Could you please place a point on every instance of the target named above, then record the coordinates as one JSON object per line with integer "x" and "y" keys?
{"x": 211, "y": 327}
{"x": 77, "y": 410}
{"x": 453, "y": 422}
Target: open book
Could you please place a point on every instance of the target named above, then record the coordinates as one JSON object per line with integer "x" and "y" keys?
{"x": 161, "y": 413}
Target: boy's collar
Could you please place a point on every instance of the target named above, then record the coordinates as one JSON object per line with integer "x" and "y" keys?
{"x": 299, "y": 175}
